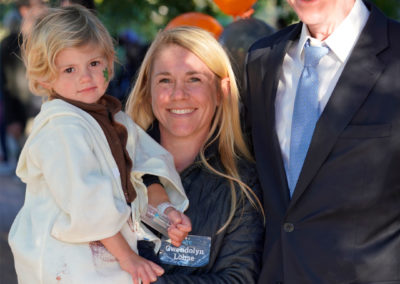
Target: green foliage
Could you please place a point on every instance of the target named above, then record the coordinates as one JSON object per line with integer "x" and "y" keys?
{"x": 391, "y": 8}
{"x": 146, "y": 17}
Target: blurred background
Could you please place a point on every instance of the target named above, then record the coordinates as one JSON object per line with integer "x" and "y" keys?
{"x": 146, "y": 17}
{"x": 133, "y": 24}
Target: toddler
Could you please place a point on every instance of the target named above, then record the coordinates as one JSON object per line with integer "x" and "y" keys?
{"x": 84, "y": 164}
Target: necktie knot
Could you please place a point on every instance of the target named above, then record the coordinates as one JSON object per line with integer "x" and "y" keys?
{"x": 313, "y": 54}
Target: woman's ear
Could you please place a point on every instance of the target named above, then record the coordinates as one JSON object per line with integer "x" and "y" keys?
{"x": 225, "y": 88}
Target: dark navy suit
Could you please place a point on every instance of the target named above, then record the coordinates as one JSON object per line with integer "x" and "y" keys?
{"x": 342, "y": 224}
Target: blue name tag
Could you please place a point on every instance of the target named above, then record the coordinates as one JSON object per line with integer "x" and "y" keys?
{"x": 194, "y": 252}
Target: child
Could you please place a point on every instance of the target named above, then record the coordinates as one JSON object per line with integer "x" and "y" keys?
{"x": 83, "y": 164}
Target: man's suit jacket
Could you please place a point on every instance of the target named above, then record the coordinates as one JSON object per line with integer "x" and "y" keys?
{"x": 342, "y": 224}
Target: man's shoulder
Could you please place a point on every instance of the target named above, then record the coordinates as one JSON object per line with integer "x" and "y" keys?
{"x": 394, "y": 26}
{"x": 270, "y": 40}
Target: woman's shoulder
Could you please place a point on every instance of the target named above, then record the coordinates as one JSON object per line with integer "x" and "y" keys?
{"x": 247, "y": 171}
{"x": 245, "y": 165}
{"x": 246, "y": 168}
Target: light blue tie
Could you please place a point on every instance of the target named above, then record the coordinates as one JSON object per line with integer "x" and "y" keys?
{"x": 305, "y": 112}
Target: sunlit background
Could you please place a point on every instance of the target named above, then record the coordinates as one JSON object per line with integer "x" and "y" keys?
{"x": 146, "y": 17}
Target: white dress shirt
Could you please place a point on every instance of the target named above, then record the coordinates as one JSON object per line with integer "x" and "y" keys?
{"x": 341, "y": 43}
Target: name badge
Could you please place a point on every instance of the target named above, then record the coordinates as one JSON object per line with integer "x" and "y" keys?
{"x": 194, "y": 252}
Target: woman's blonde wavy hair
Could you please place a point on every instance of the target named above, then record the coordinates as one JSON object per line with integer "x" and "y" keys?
{"x": 225, "y": 127}
{"x": 55, "y": 30}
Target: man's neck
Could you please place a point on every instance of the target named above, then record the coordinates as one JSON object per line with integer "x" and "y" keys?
{"x": 322, "y": 31}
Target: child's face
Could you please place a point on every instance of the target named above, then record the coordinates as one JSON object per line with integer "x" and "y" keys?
{"x": 82, "y": 74}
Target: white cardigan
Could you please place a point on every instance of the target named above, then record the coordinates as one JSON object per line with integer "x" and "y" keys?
{"x": 74, "y": 197}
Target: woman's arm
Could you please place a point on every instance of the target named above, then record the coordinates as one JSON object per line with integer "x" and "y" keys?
{"x": 180, "y": 223}
{"x": 239, "y": 251}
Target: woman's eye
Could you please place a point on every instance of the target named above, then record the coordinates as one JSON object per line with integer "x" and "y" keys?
{"x": 164, "y": 80}
{"x": 69, "y": 70}
{"x": 194, "y": 79}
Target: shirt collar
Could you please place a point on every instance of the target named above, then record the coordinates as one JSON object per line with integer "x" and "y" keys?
{"x": 345, "y": 36}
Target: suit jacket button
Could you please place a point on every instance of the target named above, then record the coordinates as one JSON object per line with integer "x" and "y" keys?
{"x": 288, "y": 227}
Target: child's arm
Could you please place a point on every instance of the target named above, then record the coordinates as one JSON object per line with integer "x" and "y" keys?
{"x": 137, "y": 266}
{"x": 180, "y": 223}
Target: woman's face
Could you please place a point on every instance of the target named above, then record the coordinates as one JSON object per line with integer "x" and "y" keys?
{"x": 184, "y": 94}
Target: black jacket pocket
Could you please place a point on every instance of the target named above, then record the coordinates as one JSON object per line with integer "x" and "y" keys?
{"x": 366, "y": 131}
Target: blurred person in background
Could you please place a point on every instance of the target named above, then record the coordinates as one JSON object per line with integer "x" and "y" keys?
{"x": 19, "y": 104}
{"x": 133, "y": 50}
{"x": 86, "y": 3}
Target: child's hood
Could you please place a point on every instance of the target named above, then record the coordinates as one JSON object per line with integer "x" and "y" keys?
{"x": 49, "y": 110}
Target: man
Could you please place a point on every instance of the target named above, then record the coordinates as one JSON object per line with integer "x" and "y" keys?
{"x": 331, "y": 183}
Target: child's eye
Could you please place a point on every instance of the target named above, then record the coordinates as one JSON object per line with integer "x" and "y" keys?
{"x": 69, "y": 70}
{"x": 95, "y": 63}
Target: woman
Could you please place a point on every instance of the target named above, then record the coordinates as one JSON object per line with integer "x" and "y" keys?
{"x": 187, "y": 99}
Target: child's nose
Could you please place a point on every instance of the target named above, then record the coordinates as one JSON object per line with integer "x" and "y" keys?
{"x": 86, "y": 75}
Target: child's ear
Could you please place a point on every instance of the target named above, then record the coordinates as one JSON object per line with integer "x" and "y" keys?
{"x": 45, "y": 85}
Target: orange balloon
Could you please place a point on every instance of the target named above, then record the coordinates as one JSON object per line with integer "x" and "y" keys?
{"x": 197, "y": 19}
{"x": 235, "y": 7}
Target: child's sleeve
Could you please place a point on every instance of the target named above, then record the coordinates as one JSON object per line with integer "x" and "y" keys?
{"x": 82, "y": 183}
{"x": 149, "y": 157}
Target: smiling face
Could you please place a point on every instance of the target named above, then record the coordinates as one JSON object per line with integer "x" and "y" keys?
{"x": 81, "y": 74}
{"x": 184, "y": 94}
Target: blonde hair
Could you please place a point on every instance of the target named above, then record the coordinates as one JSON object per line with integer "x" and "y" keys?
{"x": 225, "y": 127}
{"x": 55, "y": 30}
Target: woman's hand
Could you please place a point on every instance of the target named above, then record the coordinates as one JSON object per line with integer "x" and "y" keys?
{"x": 141, "y": 269}
{"x": 180, "y": 226}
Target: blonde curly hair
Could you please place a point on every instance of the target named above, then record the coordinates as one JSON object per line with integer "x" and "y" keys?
{"x": 55, "y": 30}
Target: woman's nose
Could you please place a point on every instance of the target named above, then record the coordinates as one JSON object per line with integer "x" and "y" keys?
{"x": 179, "y": 92}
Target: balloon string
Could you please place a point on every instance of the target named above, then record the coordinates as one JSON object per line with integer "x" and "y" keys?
{"x": 245, "y": 15}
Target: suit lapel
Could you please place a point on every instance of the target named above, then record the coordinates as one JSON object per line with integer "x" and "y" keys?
{"x": 358, "y": 78}
{"x": 272, "y": 63}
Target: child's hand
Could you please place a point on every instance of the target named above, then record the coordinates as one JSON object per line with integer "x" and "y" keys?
{"x": 180, "y": 226}
{"x": 141, "y": 269}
